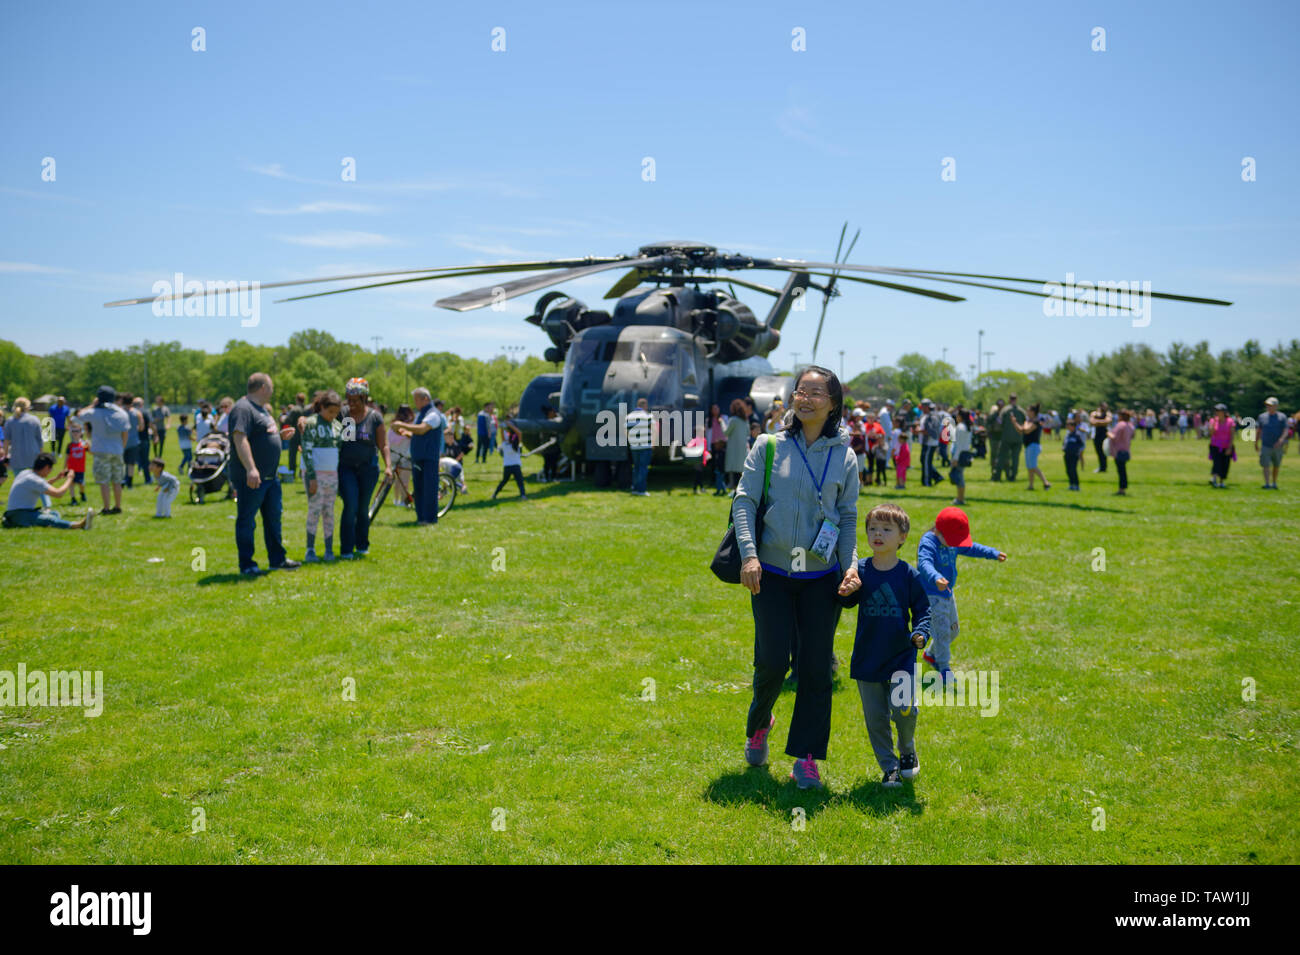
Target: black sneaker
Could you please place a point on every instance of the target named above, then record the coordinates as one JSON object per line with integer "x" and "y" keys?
{"x": 891, "y": 780}
{"x": 253, "y": 571}
{"x": 287, "y": 564}
{"x": 911, "y": 766}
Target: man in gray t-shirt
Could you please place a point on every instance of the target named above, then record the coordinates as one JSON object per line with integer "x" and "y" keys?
{"x": 109, "y": 426}
{"x": 1272, "y": 431}
{"x": 22, "y": 437}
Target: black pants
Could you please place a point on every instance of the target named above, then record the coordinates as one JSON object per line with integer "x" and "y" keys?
{"x": 1098, "y": 439}
{"x": 59, "y": 435}
{"x": 1121, "y": 465}
{"x": 1072, "y": 469}
{"x": 802, "y": 614}
{"x": 1222, "y": 459}
{"x": 512, "y": 471}
{"x": 293, "y": 455}
{"x": 928, "y": 472}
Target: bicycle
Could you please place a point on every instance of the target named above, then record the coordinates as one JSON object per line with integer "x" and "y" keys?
{"x": 446, "y": 487}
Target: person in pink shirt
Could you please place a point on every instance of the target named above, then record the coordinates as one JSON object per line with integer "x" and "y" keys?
{"x": 1121, "y": 439}
{"x": 1222, "y": 449}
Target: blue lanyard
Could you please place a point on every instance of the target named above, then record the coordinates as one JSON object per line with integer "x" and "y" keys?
{"x": 825, "y": 467}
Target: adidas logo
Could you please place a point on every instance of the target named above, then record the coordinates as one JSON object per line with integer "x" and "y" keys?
{"x": 882, "y": 603}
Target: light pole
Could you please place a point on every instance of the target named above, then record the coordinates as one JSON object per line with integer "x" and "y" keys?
{"x": 944, "y": 359}
{"x": 145, "y": 352}
{"x": 979, "y": 368}
{"x": 405, "y": 353}
{"x": 841, "y": 365}
{"x": 511, "y": 351}
{"x": 873, "y": 362}
{"x": 988, "y": 361}
{"x": 376, "y": 339}
{"x": 796, "y": 363}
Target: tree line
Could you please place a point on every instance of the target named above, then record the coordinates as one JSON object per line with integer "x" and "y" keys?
{"x": 1133, "y": 376}
{"x": 310, "y": 361}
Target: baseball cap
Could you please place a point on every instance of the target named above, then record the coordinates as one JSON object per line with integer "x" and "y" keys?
{"x": 1270, "y": 401}
{"x": 926, "y": 403}
{"x": 954, "y": 527}
{"x": 1220, "y": 407}
{"x": 106, "y": 393}
{"x": 859, "y": 413}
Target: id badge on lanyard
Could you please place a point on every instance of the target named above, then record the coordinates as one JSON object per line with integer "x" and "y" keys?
{"x": 828, "y": 534}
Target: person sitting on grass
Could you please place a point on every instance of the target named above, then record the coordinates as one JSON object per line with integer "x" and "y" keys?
{"x": 451, "y": 464}
{"x": 893, "y": 623}
{"x": 166, "y": 487}
{"x": 24, "y": 506}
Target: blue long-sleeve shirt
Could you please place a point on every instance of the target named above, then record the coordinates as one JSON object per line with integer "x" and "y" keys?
{"x": 886, "y": 601}
{"x": 935, "y": 559}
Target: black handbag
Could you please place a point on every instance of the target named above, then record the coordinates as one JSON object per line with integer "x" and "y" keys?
{"x": 964, "y": 460}
{"x": 726, "y": 562}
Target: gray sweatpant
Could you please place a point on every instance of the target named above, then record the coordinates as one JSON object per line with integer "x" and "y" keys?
{"x": 944, "y": 628}
{"x": 878, "y": 710}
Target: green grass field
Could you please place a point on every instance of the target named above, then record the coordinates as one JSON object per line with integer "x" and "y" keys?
{"x": 516, "y": 695}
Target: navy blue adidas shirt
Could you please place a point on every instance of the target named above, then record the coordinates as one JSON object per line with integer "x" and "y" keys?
{"x": 892, "y": 606}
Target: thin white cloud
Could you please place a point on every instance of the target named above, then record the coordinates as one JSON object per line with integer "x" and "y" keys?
{"x": 314, "y": 208}
{"x": 798, "y": 123}
{"x": 340, "y": 239}
{"x": 31, "y": 267}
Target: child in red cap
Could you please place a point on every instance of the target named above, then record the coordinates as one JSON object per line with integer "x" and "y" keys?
{"x": 936, "y": 561}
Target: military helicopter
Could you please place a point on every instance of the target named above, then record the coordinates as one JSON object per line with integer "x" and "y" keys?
{"x": 673, "y": 337}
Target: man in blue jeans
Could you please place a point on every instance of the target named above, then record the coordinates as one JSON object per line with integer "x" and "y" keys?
{"x": 640, "y": 441}
{"x": 484, "y": 433}
{"x": 256, "y": 436}
{"x": 426, "y": 451}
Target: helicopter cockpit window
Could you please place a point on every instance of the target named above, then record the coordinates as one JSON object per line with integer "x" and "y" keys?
{"x": 584, "y": 351}
{"x": 656, "y": 353}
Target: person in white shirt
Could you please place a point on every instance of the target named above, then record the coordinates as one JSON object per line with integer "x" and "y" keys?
{"x": 641, "y": 442}
{"x": 512, "y": 459}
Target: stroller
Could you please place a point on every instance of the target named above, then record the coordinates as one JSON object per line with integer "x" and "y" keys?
{"x": 208, "y": 470}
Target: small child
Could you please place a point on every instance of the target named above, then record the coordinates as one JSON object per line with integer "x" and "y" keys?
{"x": 1074, "y": 447}
{"x": 322, "y": 433}
{"x": 902, "y": 458}
{"x": 76, "y": 463}
{"x": 961, "y": 456}
{"x": 936, "y": 559}
{"x": 513, "y": 462}
{"x": 166, "y": 486}
{"x": 893, "y": 623}
{"x": 185, "y": 441}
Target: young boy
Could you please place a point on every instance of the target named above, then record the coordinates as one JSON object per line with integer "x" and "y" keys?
{"x": 76, "y": 463}
{"x": 936, "y": 559}
{"x": 888, "y": 592}
{"x": 1074, "y": 445}
{"x": 166, "y": 487}
{"x": 184, "y": 440}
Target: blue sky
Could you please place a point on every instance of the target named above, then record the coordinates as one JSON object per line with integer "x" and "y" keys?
{"x": 225, "y": 164}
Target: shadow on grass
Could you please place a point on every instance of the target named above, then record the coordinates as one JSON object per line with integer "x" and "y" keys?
{"x": 211, "y": 579}
{"x": 758, "y": 787}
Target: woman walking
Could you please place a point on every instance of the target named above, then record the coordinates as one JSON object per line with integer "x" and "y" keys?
{"x": 718, "y": 449}
{"x": 1222, "y": 449}
{"x": 808, "y": 546}
{"x": 1032, "y": 433}
{"x": 1121, "y": 438}
{"x": 363, "y": 436}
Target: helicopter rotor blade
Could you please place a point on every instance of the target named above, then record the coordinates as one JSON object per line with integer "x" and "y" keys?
{"x": 500, "y": 267}
{"x": 358, "y": 288}
{"x": 477, "y": 298}
{"x": 1096, "y": 286}
{"x": 631, "y": 280}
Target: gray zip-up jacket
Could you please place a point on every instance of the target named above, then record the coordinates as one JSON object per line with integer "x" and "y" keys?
{"x": 794, "y": 513}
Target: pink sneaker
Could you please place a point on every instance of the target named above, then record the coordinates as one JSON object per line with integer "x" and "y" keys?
{"x": 756, "y": 747}
{"x": 805, "y": 773}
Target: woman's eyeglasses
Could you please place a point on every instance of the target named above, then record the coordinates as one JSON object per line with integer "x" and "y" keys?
{"x": 811, "y": 395}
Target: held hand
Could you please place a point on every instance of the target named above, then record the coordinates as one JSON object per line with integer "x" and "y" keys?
{"x": 287, "y": 432}
{"x": 941, "y": 583}
{"x": 751, "y": 571}
{"x": 254, "y": 480}
{"x": 918, "y": 640}
{"x": 311, "y": 487}
{"x": 1001, "y": 557}
{"x": 388, "y": 473}
{"x": 850, "y": 583}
